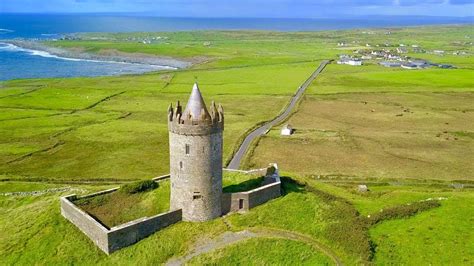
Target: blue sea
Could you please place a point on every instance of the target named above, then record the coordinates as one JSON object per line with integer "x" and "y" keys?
{"x": 18, "y": 63}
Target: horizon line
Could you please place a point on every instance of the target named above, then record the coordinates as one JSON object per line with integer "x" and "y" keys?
{"x": 147, "y": 14}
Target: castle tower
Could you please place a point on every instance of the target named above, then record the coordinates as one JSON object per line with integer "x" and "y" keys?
{"x": 195, "y": 137}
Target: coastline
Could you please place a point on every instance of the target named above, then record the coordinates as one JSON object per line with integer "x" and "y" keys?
{"x": 39, "y": 48}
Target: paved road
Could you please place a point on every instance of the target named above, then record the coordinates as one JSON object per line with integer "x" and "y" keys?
{"x": 235, "y": 162}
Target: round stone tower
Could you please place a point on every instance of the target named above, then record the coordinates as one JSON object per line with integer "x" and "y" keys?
{"x": 195, "y": 137}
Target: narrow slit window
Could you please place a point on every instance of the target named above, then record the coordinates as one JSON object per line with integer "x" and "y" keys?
{"x": 186, "y": 148}
{"x": 180, "y": 165}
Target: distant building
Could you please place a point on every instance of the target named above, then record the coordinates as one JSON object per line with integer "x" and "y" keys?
{"x": 354, "y": 62}
{"x": 392, "y": 56}
{"x": 366, "y": 57}
{"x": 438, "y": 52}
{"x": 390, "y": 64}
{"x": 350, "y": 61}
{"x": 402, "y": 50}
{"x": 287, "y": 130}
{"x": 409, "y": 66}
{"x": 419, "y": 63}
{"x": 377, "y": 53}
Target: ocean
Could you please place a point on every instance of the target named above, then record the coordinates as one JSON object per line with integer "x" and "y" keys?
{"x": 16, "y": 63}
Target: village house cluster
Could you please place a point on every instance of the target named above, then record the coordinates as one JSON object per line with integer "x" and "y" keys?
{"x": 388, "y": 56}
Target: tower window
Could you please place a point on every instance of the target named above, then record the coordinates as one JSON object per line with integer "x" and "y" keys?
{"x": 180, "y": 165}
{"x": 196, "y": 195}
{"x": 186, "y": 148}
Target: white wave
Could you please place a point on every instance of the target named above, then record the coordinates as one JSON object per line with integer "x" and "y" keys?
{"x": 5, "y": 30}
{"x": 13, "y": 48}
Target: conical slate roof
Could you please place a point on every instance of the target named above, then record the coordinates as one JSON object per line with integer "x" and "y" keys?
{"x": 196, "y": 105}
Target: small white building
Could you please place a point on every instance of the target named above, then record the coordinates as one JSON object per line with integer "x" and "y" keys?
{"x": 287, "y": 130}
{"x": 354, "y": 62}
{"x": 350, "y": 61}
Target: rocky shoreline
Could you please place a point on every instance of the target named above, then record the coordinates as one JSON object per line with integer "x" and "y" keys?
{"x": 106, "y": 56}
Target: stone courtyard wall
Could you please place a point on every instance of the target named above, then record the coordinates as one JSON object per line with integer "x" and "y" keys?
{"x": 88, "y": 225}
{"x": 134, "y": 231}
{"x": 244, "y": 201}
{"x": 115, "y": 238}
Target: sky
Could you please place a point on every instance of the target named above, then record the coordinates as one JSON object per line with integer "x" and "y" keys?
{"x": 247, "y": 8}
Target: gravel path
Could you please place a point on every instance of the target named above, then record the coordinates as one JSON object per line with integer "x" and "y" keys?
{"x": 229, "y": 238}
{"x": 238, "y": 156}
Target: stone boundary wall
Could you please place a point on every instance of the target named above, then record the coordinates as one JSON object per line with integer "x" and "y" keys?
{"x": 129, "y": 233}
{"x": 88, "y": 225}
{"x": 115, "y": 238}
{"x": 261, "y": 171}
{"x": 161, "y": 177}
{"x": 244, "y": 201}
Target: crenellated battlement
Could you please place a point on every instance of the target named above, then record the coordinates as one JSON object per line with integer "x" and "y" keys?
{"x": 195, "y": 119}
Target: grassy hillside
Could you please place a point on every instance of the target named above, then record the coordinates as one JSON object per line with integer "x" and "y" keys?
{"x": 313, "y": 221}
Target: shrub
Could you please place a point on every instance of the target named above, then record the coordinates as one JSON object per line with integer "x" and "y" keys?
{"x": 402, "y": 211}
{"x": 139, "y": 186}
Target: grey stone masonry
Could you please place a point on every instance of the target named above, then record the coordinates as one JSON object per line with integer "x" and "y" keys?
{"x": 244, "y": 201}
{"x": 88, "y": 225}
{"x": 115, "y": 238}
{"x": 195, "y": 137}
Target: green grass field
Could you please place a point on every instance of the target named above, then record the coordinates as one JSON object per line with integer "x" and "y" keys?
{"x": 406, "y": 134}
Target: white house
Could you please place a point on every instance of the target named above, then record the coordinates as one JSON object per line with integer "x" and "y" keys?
{"x": 287, "y": 130}
{"x": 350, "y": 61}
{"x": 354, "y": 62}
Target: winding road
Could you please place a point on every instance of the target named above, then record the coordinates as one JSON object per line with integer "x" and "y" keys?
{"x": 239, "y": 155}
